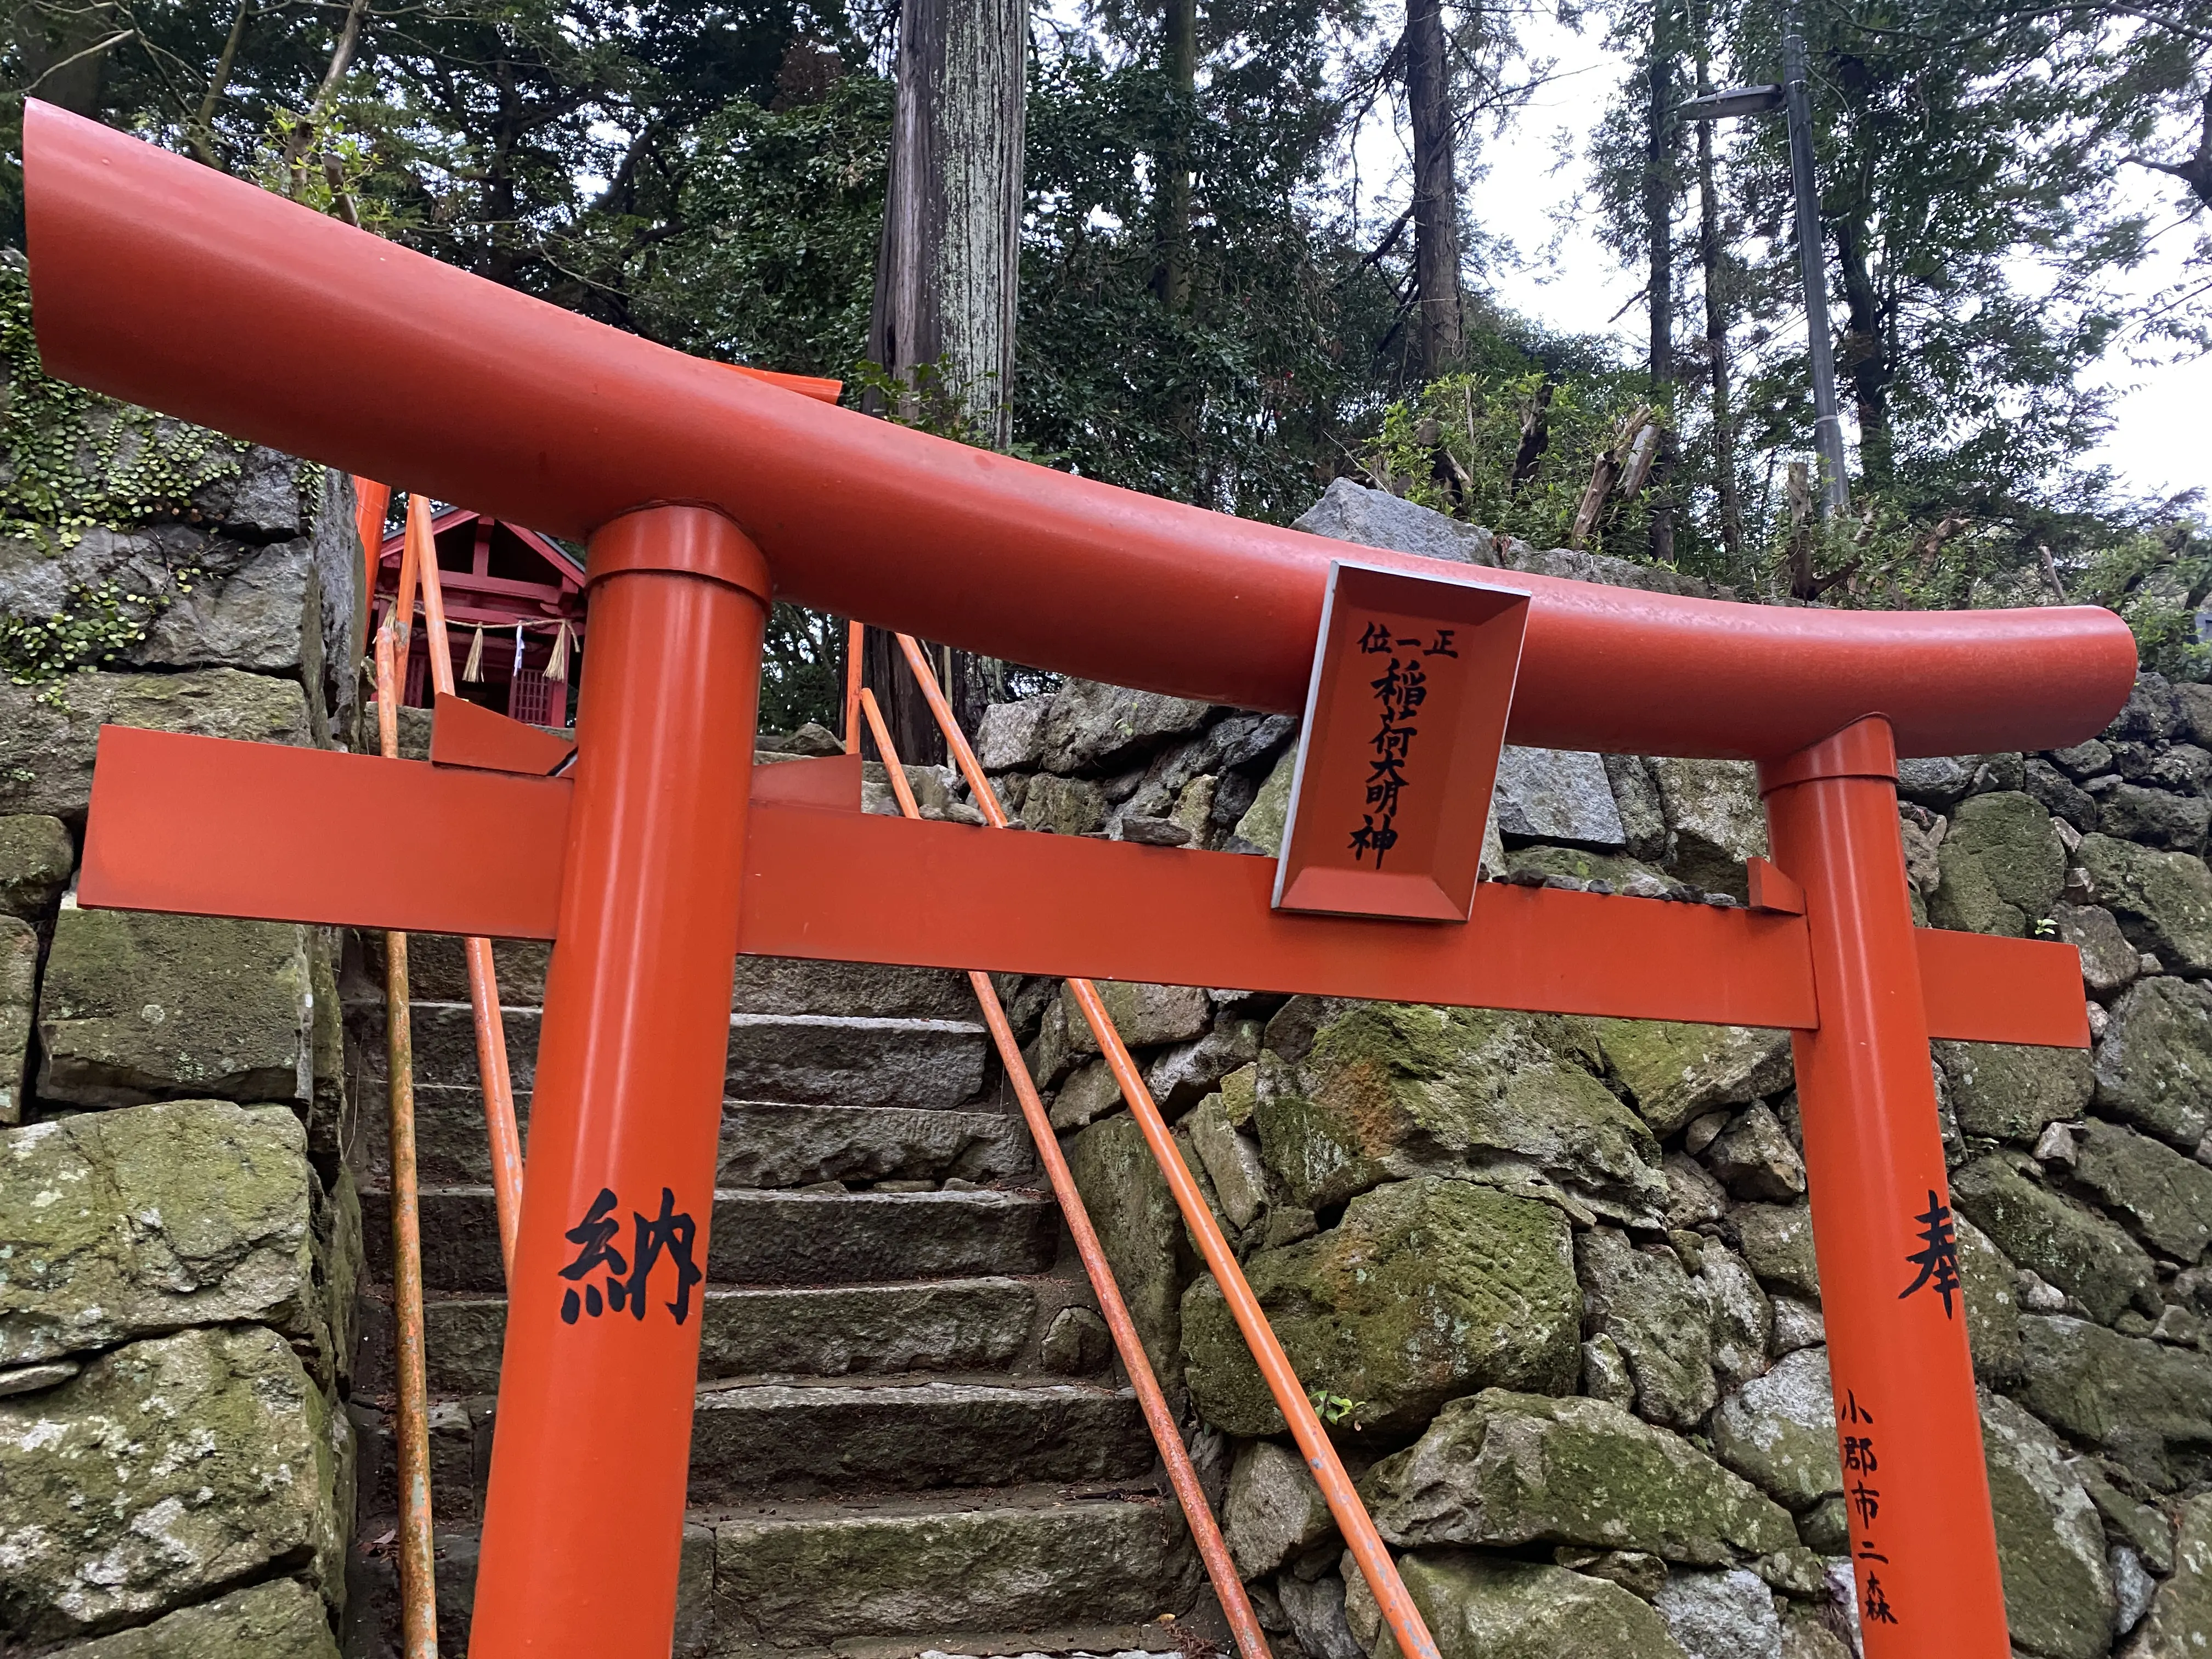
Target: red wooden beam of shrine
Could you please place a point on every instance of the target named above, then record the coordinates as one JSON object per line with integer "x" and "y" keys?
{"x": 213, "y": 827}
{"x": 141, "y": 259}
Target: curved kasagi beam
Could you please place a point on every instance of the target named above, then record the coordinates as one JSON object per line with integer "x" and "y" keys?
{"x": 167, "y": 283}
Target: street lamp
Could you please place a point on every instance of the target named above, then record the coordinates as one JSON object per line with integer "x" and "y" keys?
{"x": 1827, "y": 424}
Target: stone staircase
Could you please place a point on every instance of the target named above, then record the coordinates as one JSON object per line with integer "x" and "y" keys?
{"x": 888, "y": 1456}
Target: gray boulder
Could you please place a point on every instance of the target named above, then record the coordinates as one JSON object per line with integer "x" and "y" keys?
{"x": 2164, "y": 1198}
{"x": 282, "y": 1620}
{"x": 2109, "y": 962}
{"x": 2051, "y": 1544}
{"x": 2003, "y": 866}
{"x": 1714, "y": 819}
{"x": 1427, "y": 1289}
{"x": 1144, "y": 1014}
{"x": 2179, "y": 1625}
{"x": 2155, "y": 1067}
{"x": 2072, "y": 1246}
{"x": 1502, "y": 1470}
{"x": 36, "y": 857}
{"x": 1011, "y": 736}
{"x": 1645, "y": 1304}
{"x": 1778, "y": 1246}
{"x": 2008, "y": 1091}
{"x": 164, "y": 1471}
{"x": 1092, "y": 727}
{"x": 47, "y": 733}
{"x": 127, "y": 1224}
{"x": 2162, "y": 900}
{"x": 2154, "y": 817}
{"x": 2143, "y": 1403}
{"x": 19, "y": 984}
{"x": 1753, "y": 1159}
{"x": 1273, "y": 1510}
{"x": 137, "y": 1006}
{"x": 1721, "y": 1615}
{"x": 1391, "y": 1091}
{"x": 1480, "y": 1607}
{"x": 1675, "y": 1072}
{"x": 1140, "y": 1230}
{"x": 1349, "y": 511}
{"x": 1556, "y": 794}
{"x": 1779, "y": 1431}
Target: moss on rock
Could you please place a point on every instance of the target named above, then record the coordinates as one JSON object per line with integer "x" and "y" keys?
{"x": 1428, "y": 1289}
{"x": 128, "y": 1224}
{"x": 164, "y": 1470}
{"x": 2003, "y": 866}
{"x": 1506, "y": 1469}
{"x": 1388, "y": 1091}
{"x": 2162, "y": 900}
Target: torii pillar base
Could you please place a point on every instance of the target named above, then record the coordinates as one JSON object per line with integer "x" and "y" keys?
{"x": 1923, "y": 1545}
{"x": 583, "y": 1524}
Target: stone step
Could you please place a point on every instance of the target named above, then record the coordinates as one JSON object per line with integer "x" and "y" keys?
{"x": 763, "y": 1143}
{"x": 437, "y": 972}
{"x": 759, "y": 1441}
{"x": 766, "y": 1238}
{"x": 945, "y": 1325}
{"x": 1003, "y": 1572}
{"x": 817, "y": 1059}
{"x": 824, "y": 1439}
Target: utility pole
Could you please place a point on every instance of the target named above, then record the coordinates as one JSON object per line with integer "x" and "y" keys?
{"x": 1793, "y": 97}
{"x": 1827, "y": 424}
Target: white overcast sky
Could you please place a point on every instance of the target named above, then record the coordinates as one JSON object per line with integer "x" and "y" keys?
{"x": 2162, "y": 439}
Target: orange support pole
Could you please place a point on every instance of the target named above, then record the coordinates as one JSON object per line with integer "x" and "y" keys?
{"x": 602, "y": 1354}
{"x": 856, "y": 637}
{"x": 1213, "y": 1549}
{"x": 1923, "y": 1542}
{"x": 371, "y": 501}
{"x": 1352, "y": 1518}
{"x": 506, "y": 1140}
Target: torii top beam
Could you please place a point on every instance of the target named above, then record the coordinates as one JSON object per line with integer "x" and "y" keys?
{"x": 169, "y": 284}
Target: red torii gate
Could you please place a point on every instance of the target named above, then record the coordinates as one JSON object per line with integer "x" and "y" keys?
{"x": 649, "y": 864}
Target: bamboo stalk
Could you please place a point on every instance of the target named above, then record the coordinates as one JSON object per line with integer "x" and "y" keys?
{"x": 418, "y": 1589}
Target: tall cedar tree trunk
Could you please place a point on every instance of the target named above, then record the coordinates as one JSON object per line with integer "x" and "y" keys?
{"x": 1867, "y": 350}
{"x": 1659, "y": 229}
{"x": 61, "y": 54}
{"x": 1712, "y": 253}
{"x": 1435, "y": 187}
{"x": 948, "y": 271}
{"x": 1180, "y": 49}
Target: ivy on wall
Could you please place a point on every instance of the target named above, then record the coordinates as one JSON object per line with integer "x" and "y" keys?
{"x": 72, "y": 460}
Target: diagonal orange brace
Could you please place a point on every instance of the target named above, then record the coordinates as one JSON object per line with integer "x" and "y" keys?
{"x": 210, "y": 827}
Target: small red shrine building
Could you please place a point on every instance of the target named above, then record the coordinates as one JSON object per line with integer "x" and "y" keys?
{"x": 518, "y": 588}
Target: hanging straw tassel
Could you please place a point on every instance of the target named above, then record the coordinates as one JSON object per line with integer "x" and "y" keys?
{"x": 473, "y": 668}
{"x": 556, "y": 665}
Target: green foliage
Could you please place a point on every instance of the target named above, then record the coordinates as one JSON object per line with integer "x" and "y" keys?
{"x": 1453, "y": 446}
{"x": 2158, "y": 582}
{"x": 781, "y": 210}
{"x": 803, "y": 669}
{"x": 1336, "y": 1409}
{"x": 77, "y": 460}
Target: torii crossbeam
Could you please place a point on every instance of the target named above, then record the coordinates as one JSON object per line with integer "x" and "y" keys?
{"x": 657, "y": 858}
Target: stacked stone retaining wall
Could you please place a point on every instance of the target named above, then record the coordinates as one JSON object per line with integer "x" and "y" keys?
{"x": 1554, "y": 1276}
{"x": 180, "y": 1239}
